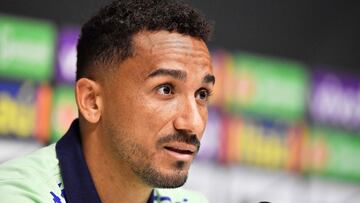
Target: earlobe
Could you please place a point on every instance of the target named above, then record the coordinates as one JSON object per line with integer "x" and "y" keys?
{"x": 88, "y": 99}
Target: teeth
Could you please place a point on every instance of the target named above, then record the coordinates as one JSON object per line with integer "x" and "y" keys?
{"x": 179, "y": 150}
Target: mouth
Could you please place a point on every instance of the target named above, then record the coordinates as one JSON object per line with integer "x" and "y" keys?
{"x": 181, "y": 151}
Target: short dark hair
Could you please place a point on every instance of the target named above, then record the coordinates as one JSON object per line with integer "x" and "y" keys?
{"x": 107, "y": 37}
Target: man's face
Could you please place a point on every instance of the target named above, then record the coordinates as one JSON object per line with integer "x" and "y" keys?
{"x": 155, "y": 106}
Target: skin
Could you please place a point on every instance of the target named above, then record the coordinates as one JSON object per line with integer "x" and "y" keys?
{"x": 141, "y": 123}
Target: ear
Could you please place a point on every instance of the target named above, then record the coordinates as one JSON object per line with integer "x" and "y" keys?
{"x": 88, "y": 99}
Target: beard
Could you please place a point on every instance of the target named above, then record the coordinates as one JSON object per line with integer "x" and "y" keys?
{"x": 153, "y": 177}
{"x": 140, "y": 161}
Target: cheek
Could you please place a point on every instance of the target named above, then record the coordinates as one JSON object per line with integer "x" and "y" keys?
{"x": 156, "y": 114}
{"x": 120, "y": 115}
{"x": 144, "y": 118}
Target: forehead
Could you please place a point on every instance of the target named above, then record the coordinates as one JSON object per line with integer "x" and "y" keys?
{"x": 165, "y": 39}
{"x": 164, "y": 49}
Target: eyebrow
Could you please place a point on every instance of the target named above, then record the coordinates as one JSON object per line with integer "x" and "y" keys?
{"x": 177, "y": 74}
{"x": 209, "y": 79}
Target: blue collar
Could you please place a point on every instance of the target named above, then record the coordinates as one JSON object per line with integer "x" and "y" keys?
{"x": 78, "y": 185}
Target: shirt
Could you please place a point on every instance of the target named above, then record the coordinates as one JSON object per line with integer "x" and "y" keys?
{"x": 58, "y": 174}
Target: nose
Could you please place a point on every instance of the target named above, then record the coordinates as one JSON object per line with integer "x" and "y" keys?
{"x": 191, "y": 118}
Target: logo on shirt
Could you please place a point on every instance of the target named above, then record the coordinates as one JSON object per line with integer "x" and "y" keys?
{"x": 56, "y": 198}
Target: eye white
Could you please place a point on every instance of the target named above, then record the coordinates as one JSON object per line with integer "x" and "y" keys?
{"x": 165, "y": 89}
{"x": 203, "y": 95}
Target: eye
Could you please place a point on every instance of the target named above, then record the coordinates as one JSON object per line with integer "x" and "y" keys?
{"x": 203, "y": 94}
{"x": 165, "y": 89}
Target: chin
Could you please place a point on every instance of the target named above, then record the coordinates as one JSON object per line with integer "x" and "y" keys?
{"x": 173, "y": 180}
{"x": 165, "y": 178}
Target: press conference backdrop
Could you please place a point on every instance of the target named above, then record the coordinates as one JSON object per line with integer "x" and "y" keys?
{"x": 281, "y": 128}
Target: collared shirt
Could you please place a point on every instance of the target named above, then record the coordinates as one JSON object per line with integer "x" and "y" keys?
{"x": 58, "y": 174}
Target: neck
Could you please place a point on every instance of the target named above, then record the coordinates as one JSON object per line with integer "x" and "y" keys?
{"x": 114, "y": 181}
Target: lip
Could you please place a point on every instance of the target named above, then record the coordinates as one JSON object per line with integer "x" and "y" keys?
{"x": 181, "y": 151}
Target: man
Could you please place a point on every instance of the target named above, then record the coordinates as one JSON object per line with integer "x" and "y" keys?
{"x": 144, "y": 77}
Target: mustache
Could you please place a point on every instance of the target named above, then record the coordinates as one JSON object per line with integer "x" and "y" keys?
{"x": 181, "y": 137}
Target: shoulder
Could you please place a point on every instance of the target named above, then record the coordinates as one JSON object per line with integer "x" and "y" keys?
{"x": 178, "y": 195}
{"x": 41, "y": 164}
{"x": 33, "y": 177}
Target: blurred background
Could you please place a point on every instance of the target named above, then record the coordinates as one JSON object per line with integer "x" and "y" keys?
{"x": 284, "y": 122}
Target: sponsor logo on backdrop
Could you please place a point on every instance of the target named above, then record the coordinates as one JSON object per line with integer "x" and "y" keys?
{"x": 335, "y": 100}
{"x": 210, "y": 142}
{"x": 262, "y": 143}
{"x": 26, "y": 48}
{"x": 24, "y": 110}
{"x": 66, "y": 55}
{"x": 266, "y": 87}
{"x": 332, "y": 153}
{"x": 64, "y": 111}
